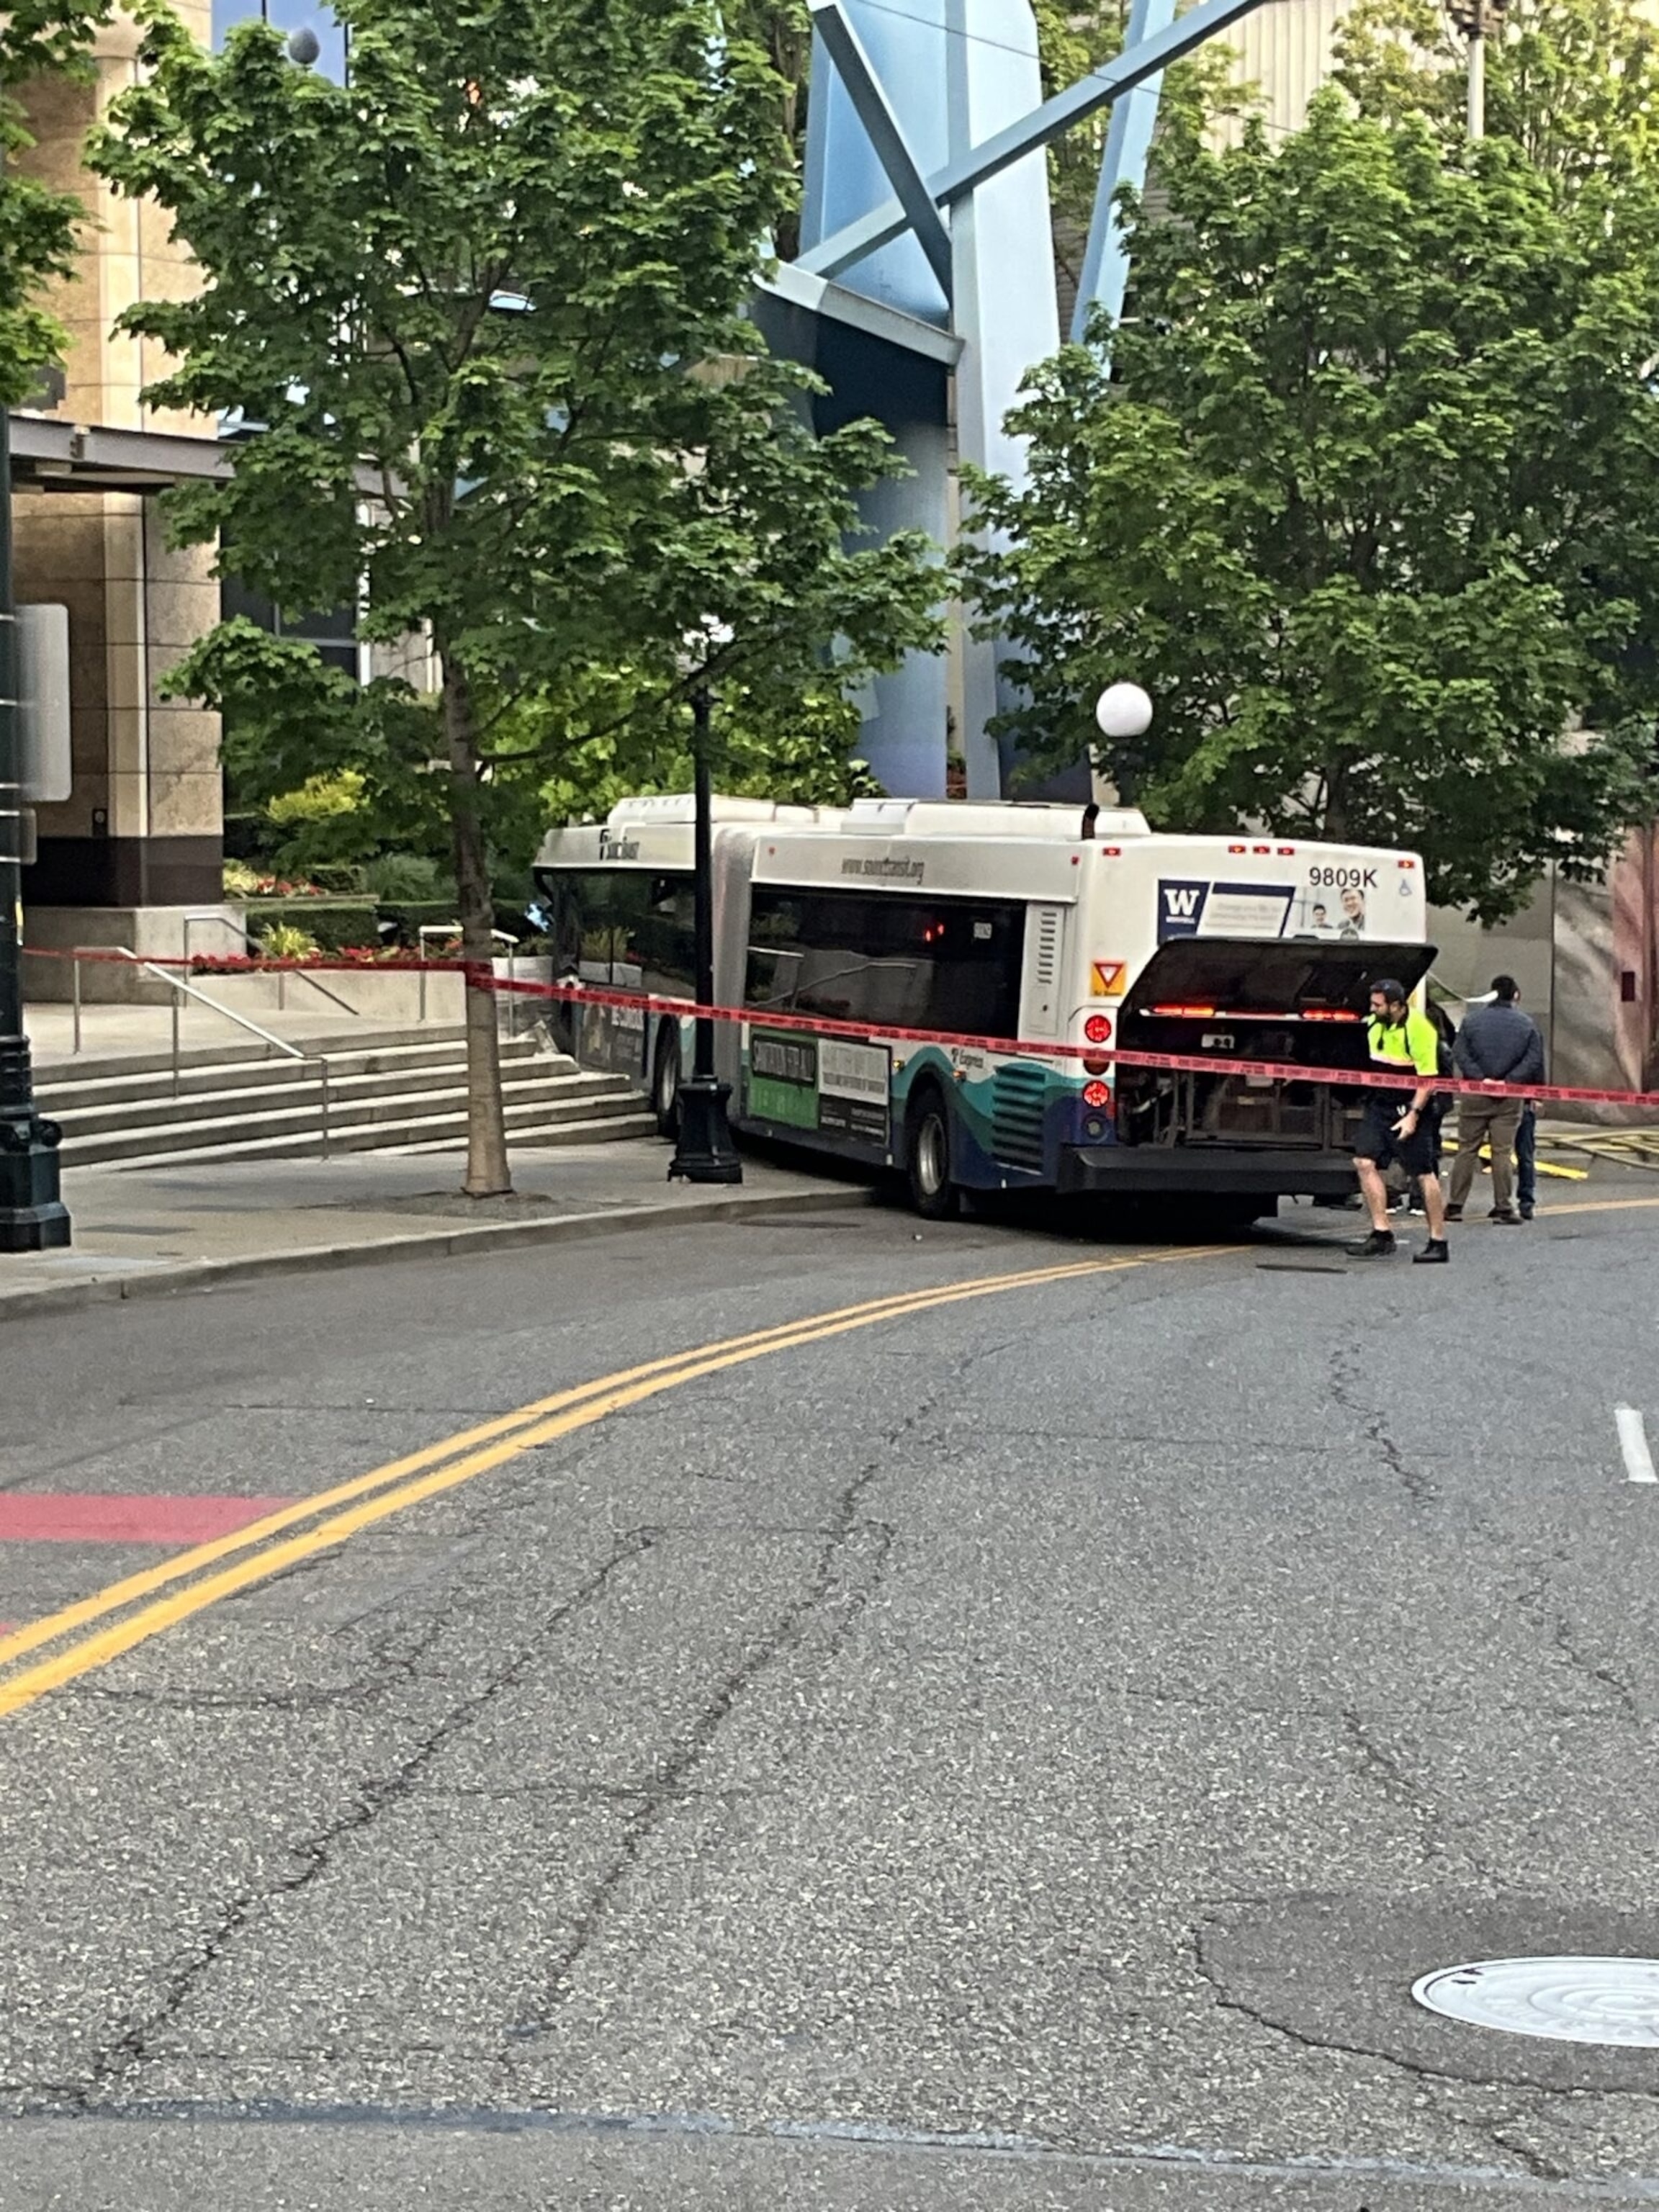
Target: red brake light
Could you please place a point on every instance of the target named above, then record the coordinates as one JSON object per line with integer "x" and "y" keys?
{"x": 1238, "y": 848}
{"x": 1186, "y": 1013}
{"x": 1405, "y": 864}
{"x": 1111, "y": 851}
{"x": 1098, "y": 1029}
{"x": 1328, "y": 1014}
{"x": 1097, "y": 1095}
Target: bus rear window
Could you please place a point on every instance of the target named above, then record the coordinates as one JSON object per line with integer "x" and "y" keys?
{"x": 888, "y": 962}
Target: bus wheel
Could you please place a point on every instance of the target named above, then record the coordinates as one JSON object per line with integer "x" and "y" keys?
{"x": 665, "y": 1084}
{"x": 927, "y": 1152}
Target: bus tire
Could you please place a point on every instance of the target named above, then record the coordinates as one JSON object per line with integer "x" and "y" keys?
{"x": 666, "y": 1081}
{"x": 928, "y": 1155}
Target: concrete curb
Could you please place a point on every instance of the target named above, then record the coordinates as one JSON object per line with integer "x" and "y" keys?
{"x": 199, "y": 1275}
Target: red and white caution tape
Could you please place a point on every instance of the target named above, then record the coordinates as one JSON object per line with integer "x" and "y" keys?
{"x": 482, "y": 977}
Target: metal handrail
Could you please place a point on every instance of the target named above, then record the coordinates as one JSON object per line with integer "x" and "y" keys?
{"x": 180, "y": 991}
{"x": 453, "y": 929}
{"x": 251, "y": 943}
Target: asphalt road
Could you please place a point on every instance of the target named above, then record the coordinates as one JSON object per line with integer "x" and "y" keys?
{"x": 1014, "y": 1753}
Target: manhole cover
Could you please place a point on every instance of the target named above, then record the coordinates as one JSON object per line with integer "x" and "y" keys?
{"x": 1611, "y": 2000}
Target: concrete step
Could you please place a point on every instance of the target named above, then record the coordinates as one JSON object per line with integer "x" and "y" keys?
{"x": 529, "y": 1103}
{"x": 61, "y": 1098}
{"x": 105, "y": 1105}
{"x": 78, "y": 1069}
{"x": 439, "y": 1132}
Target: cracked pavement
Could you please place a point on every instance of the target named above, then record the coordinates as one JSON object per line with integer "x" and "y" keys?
{"x": 1018, "y": 1756}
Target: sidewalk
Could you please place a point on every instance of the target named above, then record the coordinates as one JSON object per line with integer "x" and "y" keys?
{"x": 143, "y": 1232}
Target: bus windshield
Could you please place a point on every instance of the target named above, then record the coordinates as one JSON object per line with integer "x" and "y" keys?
{"x": 626, "y": 927}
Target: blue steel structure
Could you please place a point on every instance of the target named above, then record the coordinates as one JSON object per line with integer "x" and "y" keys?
{"x": 926, "y": 218}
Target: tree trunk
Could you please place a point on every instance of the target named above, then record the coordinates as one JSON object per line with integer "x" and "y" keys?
{"x": 488, "y": 1174}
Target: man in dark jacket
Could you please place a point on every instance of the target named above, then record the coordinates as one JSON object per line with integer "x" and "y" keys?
{"x": 1497, "y": 1043}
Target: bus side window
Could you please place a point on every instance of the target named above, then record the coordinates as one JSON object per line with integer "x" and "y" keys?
{"x": 888, "y": 959}
{"x": 772, "y": 971}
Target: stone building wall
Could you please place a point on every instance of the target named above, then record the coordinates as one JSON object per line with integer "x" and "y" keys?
{"x": 138, "y": 842}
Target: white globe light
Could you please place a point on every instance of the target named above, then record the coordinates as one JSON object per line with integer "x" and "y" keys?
{"x": 1123, "y": 710}
{"x": 303, "y": 45}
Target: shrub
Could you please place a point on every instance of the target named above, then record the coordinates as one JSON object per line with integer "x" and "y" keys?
{"x": 398, "y": 878}
{"x": 319, "y": 798}
{"x": 282, "y": 941}
{"x": 332, "y": 922}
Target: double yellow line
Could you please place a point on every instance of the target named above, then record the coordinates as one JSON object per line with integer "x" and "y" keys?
{"x": 196, "y": 1579}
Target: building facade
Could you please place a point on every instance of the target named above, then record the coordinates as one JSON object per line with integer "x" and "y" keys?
{"x": 137, "y": 844}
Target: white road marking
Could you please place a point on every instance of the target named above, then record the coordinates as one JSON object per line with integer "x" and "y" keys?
{"x": 1633, "y": 1442}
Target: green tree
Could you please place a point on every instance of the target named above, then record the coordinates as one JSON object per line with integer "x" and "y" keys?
{"x": 1363, "y": 500}
{"x": 1073, "y": 41}
{"x": 1573, "y": 84}
{"x": 37, "y": 227}
{"x": 486, "y": 304}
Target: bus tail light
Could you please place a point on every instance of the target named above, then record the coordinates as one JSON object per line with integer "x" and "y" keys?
{"x": 1096, "y": 1063}
{"x": 1098, "y": 1029}
{"x": 1327, "y": 1014}
{"x": 1096, "y": 1096}
{"x": 1184, "y": 1013}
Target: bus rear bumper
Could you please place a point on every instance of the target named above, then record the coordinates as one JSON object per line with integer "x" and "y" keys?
{"x": 1201, "y": 1169}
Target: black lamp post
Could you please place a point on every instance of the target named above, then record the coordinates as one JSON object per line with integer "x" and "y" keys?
{"x": 33, "y": 1217}
{"x": 704, "y": 1151}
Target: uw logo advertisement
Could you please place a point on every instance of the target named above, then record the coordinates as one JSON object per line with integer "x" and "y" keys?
{"x": 1180, "y": 908}
{"x": 1193, "y": 908}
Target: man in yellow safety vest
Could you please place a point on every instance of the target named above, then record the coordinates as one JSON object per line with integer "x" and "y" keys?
{"x": 1395, "y": 1125}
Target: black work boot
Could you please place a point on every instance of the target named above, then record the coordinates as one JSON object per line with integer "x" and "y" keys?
{"x": 1435, "y": 1254}
{"x": 1377, "y": 1246}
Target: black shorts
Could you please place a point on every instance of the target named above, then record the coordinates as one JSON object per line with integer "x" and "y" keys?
{"x": 1376, "y": 1140}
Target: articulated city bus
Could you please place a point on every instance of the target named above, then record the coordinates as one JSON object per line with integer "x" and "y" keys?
{"x": 990, "y": 922}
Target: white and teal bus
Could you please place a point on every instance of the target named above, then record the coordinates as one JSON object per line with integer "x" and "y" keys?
{"x": 1023, "y": 928}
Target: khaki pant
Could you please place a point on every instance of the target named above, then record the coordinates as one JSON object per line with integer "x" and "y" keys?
{"x": 1486, "y": 1122}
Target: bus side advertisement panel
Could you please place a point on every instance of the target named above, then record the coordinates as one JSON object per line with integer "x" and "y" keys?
{"x": 783, "y": 1078}
{"x": 854, "y": 1088}
{"x": 824, "y": 1084}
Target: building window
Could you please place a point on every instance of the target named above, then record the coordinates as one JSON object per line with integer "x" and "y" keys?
{"x": 332, "y": 636}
